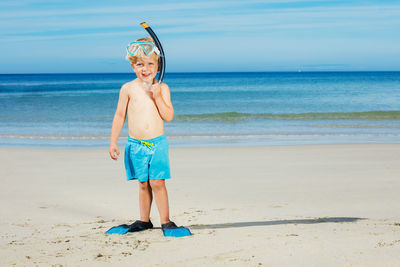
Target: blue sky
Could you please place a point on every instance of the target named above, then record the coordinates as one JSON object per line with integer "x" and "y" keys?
{"x": 279, "y": 35}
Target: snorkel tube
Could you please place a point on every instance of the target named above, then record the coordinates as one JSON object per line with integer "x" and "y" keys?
{"x": 159, "y": 46}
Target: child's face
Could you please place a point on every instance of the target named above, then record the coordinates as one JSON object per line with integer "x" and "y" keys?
{"x": 146, "y": 68}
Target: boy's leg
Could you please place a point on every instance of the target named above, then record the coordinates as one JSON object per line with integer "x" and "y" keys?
{"x": 161, "y": 196}
{"x": 145, "y": 199}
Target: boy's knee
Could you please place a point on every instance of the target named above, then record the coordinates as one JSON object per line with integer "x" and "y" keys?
{"x": 157, "y": 184}
{"x": 143, "y": 185}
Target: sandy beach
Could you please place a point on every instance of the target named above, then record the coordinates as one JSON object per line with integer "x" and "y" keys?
{"x": 316, "y": 205}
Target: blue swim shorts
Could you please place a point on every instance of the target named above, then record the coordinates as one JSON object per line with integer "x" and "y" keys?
{"x": 147, "y": 159}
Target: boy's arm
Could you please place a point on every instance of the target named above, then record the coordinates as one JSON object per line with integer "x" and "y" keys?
{"x": 118, "y": 121}
{"x": 162, "y": 98}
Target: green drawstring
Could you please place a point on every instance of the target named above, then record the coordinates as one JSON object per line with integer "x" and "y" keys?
{"x": 148, "y": 144}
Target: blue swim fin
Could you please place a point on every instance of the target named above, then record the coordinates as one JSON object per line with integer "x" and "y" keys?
{"x": 134, "y": 227}
{"x": 177, "y": 232}
{"x": 170, "y": 229}
{"x": 122, "y": 229}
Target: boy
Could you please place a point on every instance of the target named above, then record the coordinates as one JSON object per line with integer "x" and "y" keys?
{"x": 147, "y": 104}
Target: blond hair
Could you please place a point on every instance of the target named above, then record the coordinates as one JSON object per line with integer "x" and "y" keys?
{"x": 140, "y": 53}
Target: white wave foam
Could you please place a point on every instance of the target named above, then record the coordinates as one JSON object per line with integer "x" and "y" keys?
{"x": 199, "y": 136}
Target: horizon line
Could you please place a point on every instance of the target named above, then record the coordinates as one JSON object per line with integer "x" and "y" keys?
{"x": 180, "y": 72}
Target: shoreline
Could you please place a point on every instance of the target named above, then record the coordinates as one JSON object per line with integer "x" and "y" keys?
{"x": 121, "y": 144}
{"x": 239, "y": 140}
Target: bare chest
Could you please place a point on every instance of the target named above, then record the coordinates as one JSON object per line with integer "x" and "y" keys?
{"x": 141, "y": 101}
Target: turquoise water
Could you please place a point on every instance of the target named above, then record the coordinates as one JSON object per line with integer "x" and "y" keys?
{"x": 269, "y": 108}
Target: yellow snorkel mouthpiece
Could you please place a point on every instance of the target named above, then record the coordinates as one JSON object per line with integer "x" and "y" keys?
{"x": 144, "y": 25}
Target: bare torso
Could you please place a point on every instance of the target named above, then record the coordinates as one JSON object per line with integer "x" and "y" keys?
{"x": 144, "y": 120}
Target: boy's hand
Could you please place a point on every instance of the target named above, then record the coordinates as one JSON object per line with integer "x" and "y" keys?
{"x": 113, "y": 150}
{"x": 155, "y": 89}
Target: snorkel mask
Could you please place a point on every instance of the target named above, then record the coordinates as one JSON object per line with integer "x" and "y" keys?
{"x": 147, "y": 47}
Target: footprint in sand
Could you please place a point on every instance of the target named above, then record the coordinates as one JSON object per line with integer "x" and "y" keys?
{"x": 390, "y": 244}
{"x": 275, "y": 206}
{"x": 292, "y": 235}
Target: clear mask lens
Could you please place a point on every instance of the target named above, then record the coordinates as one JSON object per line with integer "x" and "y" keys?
{"x": 147, "y": 46}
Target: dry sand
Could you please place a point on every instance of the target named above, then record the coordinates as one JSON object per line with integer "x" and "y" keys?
{"x": 331, "y": 205}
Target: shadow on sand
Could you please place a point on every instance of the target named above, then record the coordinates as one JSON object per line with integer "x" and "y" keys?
{"x": 277, "y": 222}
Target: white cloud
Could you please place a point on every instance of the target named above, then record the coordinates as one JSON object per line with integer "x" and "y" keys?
{"x": 242, "y": 23}
{"x": 135, "y": 8}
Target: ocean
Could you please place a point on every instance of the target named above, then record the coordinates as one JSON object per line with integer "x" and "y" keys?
{"x": 211, "y": 109}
